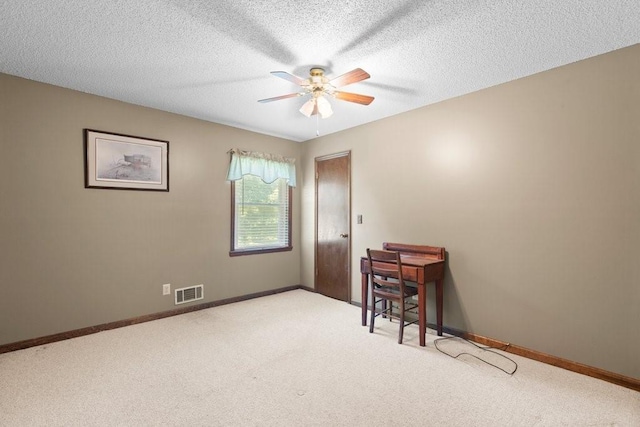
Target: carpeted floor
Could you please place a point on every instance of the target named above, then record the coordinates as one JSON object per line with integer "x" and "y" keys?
{"x": 292, "y": 359}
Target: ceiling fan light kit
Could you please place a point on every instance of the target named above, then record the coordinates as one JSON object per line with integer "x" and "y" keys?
{"x": 319, "y": 86}
{"x": 308, "y": 107}
{"x": 324, "y": 108}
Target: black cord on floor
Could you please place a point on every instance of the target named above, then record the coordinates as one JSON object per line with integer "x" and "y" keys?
{"x": 489, "y": 349}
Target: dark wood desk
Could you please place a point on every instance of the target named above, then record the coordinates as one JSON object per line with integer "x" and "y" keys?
{"x": 420, "y": 264}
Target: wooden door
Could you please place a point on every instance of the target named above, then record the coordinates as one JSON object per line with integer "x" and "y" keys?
{"x": 333, "y": 211}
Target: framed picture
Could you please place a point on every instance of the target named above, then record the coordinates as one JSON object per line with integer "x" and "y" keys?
{"x": 125, "y": 162}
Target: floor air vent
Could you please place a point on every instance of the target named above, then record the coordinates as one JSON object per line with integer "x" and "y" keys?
{"x": 191, "y": 293}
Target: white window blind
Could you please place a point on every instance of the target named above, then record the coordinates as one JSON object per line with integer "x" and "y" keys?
{"x": 261, "y": 214}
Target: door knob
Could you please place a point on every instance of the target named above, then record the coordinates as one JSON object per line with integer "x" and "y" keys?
{"x": 344, "y": 235}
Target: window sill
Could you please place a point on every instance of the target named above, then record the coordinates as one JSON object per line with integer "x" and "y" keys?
{"x": 241, "y": 252}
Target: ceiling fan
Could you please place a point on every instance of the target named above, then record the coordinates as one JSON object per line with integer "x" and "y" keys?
{"x": 318, "y": 85}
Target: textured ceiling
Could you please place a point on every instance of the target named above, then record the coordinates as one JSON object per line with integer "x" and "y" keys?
{"x": 211, "y": 59}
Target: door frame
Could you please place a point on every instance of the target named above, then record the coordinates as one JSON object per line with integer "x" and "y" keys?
{"x": 347, "y": 154}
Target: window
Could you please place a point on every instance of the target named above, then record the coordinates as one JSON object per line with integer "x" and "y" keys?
{"x": 261, "y": 216}
{"x": 260, "y": 202}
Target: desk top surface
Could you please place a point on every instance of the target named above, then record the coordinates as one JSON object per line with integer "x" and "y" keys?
{"x": 413, "y": 260}
{"x": 413, "y": 255}
{"x": 418, "y": 261}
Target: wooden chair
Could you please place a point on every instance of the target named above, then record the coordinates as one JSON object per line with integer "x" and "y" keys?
{"x": 388, "y": 286}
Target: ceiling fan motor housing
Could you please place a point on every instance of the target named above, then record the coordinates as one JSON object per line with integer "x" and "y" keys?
{"x": 317, "y": 76}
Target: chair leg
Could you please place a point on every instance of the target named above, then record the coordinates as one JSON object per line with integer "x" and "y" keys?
{"x": 401, "y": 333}
{"x": 373, "y": 314}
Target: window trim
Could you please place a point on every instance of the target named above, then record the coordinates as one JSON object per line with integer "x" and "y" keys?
{"x": 239, "y": 252}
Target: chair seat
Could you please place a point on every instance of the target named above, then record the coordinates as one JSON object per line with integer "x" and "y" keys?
{"x": 395, "y": 292}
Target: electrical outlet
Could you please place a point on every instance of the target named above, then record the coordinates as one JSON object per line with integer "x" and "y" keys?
{"x": 166, "y": 289}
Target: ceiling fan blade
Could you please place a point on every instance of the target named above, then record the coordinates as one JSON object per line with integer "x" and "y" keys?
{"x": 290, "y": 77}
{"x": 352, "y": 76}
{"x": 277, "y": 98}
{"x": 354, "y": 97}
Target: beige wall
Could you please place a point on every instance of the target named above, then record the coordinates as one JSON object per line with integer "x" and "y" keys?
{"x": 75, "y": 257}
{"x": 533, "y": 187}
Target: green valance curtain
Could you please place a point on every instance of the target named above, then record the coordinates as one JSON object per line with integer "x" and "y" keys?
{"x": 268, "y": 167}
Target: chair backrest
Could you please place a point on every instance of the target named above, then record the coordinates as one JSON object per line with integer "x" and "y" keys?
{"x": 381, "y": 273}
